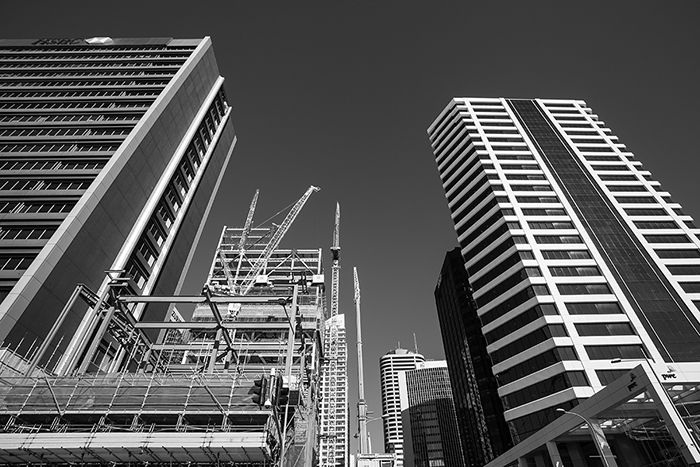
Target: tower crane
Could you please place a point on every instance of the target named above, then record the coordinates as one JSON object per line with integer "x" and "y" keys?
{"x": 335, "y": 269}
{"x": 249, "y": 280}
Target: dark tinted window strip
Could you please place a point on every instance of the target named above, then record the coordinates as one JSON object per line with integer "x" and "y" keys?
{"x": 512, "y": 302}
{"x": 668, "y": 320}
{"x": 507, "y": 284}
{"x": 497, "y": 270}
{"x": 519, "y": 321}
{"x": 525, "y": 342}
{"x": 537, "y": 363}
{"x": 544, "y": 388}
{"x": 489, "y": 257}
{"x": 678, "y": 253}
{"x": 474, "y": 218}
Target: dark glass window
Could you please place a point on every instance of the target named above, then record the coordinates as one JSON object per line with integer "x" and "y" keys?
{"x": 551, "y": 225}
{"x": 604, "y": 329}
{"x": 545, "y": 388}
{"x": 593, "y": 308}
{"x": 646, "y": 211}
{"x": 667, "y": 238}
{"x": 691, "y": 287}
{"x": 656, "y": 224}
{"x": 583, "y": 289}
{"x": 543, "y": 212}
{"x": 544, "y": 239}
{"x": 539, "y": 362}
{"x": 608, "y": 376}
{"x": 678, "y": 253}
{"x": 609, "y": 352}
{"x": 685, "y": 270}
{"x": 566, "y": 254}
{"x": 577, "y": 271}
{"x": 527, "y": 341}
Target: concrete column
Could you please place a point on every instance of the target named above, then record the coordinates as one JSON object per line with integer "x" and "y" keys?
{"x": 554, "y": 455}
{"x": 577, "y": 457}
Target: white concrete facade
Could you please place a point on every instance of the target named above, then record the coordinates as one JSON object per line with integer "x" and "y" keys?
{"x": 559, "y": 320}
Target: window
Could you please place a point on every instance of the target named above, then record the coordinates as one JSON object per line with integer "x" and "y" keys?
{"x": 667, "y": 238}
{"x": 525, "y": 342}
{"x": 551, "y": 225}
{"x": 636, "y": 199}
{"x": 519, "y": 321}
{"x": 593, "y": 308}
{"x": 543, "y": 212}
{"x": 656, "y": 225}
{"x": 577, "y": 271}
{"x": 536, "y": 363}
{"x": 678, "y": 253}
{"x": 685, "y": 270}
{"x": 566, "y": 254}
{"x": 545, "y": 239}
{"x": 604, "y": 329}
{"x": 691, "y": 287}
{"x": 646, "y": 211}
{"x": 583, "y": 289}
{"x": 15, "y": 262}
{"x": 545, "y": 388}
{"x": 537, "y": 199}
{"x": 608, "y": 376}
{"x": 609, "y": 352}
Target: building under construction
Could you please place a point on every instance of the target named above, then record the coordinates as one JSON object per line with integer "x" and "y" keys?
{"x": 236, "y": 381}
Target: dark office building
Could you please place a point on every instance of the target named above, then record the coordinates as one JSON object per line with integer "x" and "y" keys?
{"x": 430, "y": 434}
{"x": 111, "y": 151}
{"x": 482, "y": 427}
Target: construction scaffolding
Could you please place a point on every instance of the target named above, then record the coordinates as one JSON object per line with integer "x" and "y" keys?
{"x": 237, "y": 383}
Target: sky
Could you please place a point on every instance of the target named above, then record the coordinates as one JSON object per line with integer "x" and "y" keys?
{"x": 340, "y": 95}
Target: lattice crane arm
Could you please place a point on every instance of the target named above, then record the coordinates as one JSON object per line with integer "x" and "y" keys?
{"x": 249, "y": 279}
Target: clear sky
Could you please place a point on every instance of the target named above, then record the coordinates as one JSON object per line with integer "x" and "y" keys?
{"x": 340, "y": 95}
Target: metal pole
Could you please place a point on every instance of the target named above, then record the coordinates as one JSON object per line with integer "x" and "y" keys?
{"x": 288, "y": 368}
{"x": 54, "y": 329}
{"x": 96, "y": 341}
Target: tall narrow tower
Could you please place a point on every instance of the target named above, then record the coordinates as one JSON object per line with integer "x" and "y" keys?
{"x": 333, "y": 444}
{"x": 361, "y": 404}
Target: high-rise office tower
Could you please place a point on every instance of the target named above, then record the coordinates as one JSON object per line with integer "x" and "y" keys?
{"x": 580, "y": 264}
{"x": 482, "y": 428}
{"x": 334, "y": 395}
{"x": 111, "y": 151}
{"x": 428, "y": 416}
{"x": 390, "y": 365}
{"x": 333, "y": 439}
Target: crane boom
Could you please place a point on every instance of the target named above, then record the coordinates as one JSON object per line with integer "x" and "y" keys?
{"x": 244, "y": 237}
{"x": 249, "y": 280}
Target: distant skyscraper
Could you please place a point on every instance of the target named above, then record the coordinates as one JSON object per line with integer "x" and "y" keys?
{"x": 334, "y": 392}
{"x": 111, "y": 151}
{"x": 482, "y": 428}
{"x": 430, "y": 433}
{"x": 579, "y": 262}
{"x": 389, "y": 366}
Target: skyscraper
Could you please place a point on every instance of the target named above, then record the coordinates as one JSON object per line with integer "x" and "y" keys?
{"x": 483, "y": 430}
{"x": 579, "y": 262}
{"x": 390, "y": 365}
{"x": 428, "y": 416}
{"x": 111, "y": 153}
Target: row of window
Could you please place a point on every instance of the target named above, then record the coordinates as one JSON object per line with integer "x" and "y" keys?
{"x": 536, "y": 363}
{"x": 31, "y": 185}
{"x": 82, "y": 94}
{"x": 62, "y": 132}
{"x": 26, "y": 232}
{"x": 70, "y": 118}
{"x": 69, "y": 65}
{"x": 120, "y": 84}
{"x": 98, "y": 74}
{"x": 148, "y": 248}
{"x": 77, "y": 106}
{"x": 16, "y": 262}
{"x": 524, "y": 318}
{"x": 10, "y": 164}
{"x": 545, "y": 388}
{"x": 59, "y": 147}
{"x": 26, "y": 207}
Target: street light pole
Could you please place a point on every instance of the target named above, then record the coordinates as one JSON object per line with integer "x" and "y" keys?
{"x": 599, "y": 445}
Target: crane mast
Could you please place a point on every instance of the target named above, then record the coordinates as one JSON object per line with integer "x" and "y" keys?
{"x": 361, "y": 404}
{"x": 335, "y": 269}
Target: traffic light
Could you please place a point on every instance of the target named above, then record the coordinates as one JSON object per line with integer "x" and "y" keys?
{"x": 261, "y": 392}
{"x": 282, "y": 396}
